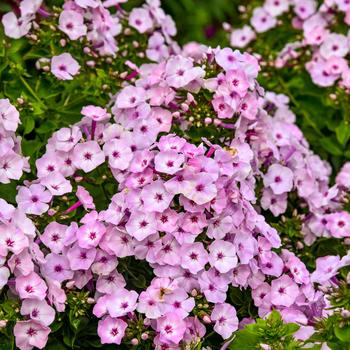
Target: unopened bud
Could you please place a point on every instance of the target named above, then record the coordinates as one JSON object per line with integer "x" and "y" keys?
{"x": 144, "y": 336}
{"x": 217, "y": 121}
{"x": 194, "y": 292}
{"x": 300, "y": 245}
{"x": 146, "y": 321}
{"x": 86, "y": 49}
{"x": 134, "y": 342}
{"x": 90, "y": 301}
{"x": 184, "y": 107}
{"x": 70, "y": 284}
{"x": 3, "y": 323}
{"x": 227, "y": 27}
{"x": 345, "y": 313}
{"x": 51, "y": 212}
{"x": 208, "y": 121}
{"x": 127, "y": 31}
{"x": 206, "y": 319}
{"x": 63, "y": 42}
{"x": 91, "y": 63}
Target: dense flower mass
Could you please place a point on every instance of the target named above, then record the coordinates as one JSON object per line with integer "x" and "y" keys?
{"x": 177, "y": 211}
{"x": 12, "y": 163}
{"x": 329, "y": 46}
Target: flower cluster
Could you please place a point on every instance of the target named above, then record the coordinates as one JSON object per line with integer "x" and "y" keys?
{"x": 12, "y": 162}
{"x": 328, "y": 65}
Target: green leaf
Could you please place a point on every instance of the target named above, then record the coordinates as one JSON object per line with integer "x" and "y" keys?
{"x": 29, "y": 124}
{"x": 244, "y": 340}
{"x": 140, "y": 282}
{"x": 46, "y": 127}
{"x": 331, "y": 146}
{"x": 343, "y": 333}
{"x": 343, "y": 133}
{"x": 290, "y": 328}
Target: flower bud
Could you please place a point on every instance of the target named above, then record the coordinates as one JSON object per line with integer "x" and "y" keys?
{"x": 144, "y": 336}
{"x": 345, "y": 313}
{"x": 3, "y": 323}
{"x": 91, "y": 63}
{"x": 194, "y": 292}
{"x": 134, "y": 342}
{"x": 206, "y": 319}
{"x": 51, "y": 212}
{"x": 70, "y": 284}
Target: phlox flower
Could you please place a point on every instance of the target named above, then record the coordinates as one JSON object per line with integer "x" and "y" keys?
{"x": 171, "y": 328}
{"x": 90, "y": 234}
{"x": 54, "y": 236}
{"x": 66, "y": 138}
{"x": 212, "y": 286}
{"x": 193, "y": 257}
{"x": 117, "y": 304}
{"x": 226, "y": 321}
{"x": 169, "y": 161}
{"x": 338, "y": 224}
{"x": 180, "y": 71}
{"x": 284, "y": 291}
{"x": 242, "y": 37}
{"x": 110, "y": 283}
{"x": 326, "y": 268}
{"x": 279, "y": 178}
{"x": 31, "y": 287}
{"x": 57, "y": 184}
{"x": 119, "y": 153}
{"x": 30, "y": 334}
{"x": 33, "y": 199}
{"x": 87, "y": 156}
{"x": 72, "y": 23}
{"x": 98, "y": 114}
{"x": 9, "y": 116}
{"x": 39, "y": 311}
{"x": 155, "y": 197}
{"x": 64, "y": 66}
{"x": 222, "y": 256}
{"x": 177, "y": 302}
{"x": 80, "y": 258}
{"x": 12, "y": 239}
{"x": 57, "y": 268}
{"x": 4, "y": 276}
{"x": 111, "y": 330}
{"x": 11, "y": 167}
{"x": 141, "y": 225}
{"x": 140, "y": 19}
{"x": 15, "y": 27}
{"x": 262, "y": 21}
{"x": 130, "y": 97}
{"x": 200, "y": 189}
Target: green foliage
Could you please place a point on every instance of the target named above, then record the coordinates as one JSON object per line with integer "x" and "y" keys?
{"x": 270, "y": 331}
